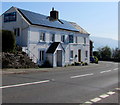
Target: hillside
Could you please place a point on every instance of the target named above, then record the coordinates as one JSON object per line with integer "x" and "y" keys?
{"x": 101, "y": 42}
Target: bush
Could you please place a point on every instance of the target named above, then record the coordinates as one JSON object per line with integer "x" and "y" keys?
{"x": 105, "y": 53}
{"x": 8, "y": 41}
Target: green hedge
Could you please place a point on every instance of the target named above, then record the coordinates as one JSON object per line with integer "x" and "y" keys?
{"x": 8, "y": 41}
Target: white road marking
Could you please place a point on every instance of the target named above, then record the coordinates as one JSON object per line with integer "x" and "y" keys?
{"x": 115, "y": 69}
{"x": 111, "y": 93}
{"x": 95, "y": 99}
{"x": 104, "y": 96}
{"x": 117, "y": 88}
{"x": 105, "y": 71}
{"x": 77, "y": 76}
{"x": 88, "y": 102}
{"x": 24, "y": 84}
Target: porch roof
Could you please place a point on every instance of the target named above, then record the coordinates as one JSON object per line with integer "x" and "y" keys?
{"x": 53, "y": 47}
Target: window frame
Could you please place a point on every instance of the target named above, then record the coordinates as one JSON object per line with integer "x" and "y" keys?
{"x": 71, "y": 38}
{"x": 86, "y": 54}
{"x": 84, "y": 40}
{"x": 71, "y": 54}
{"x": 76, "y": 39}
{"x": 63, "y": 38}
{"x": 17, "y": 32}
{"x": 41, "y": 55}
{"x": 42, "y": 36}
{"x": 52, "y": 37}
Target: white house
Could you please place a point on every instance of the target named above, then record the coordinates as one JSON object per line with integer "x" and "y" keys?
{"x": 47, "y": 37}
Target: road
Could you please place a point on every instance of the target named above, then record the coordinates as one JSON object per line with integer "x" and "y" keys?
{"x": 72, "y": 85}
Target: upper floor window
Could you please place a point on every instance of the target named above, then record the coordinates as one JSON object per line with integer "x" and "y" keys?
{"x": 52, "y": 38}
{"x": 17, "y": 31}
{"x": 42, "y": 36}
{"x": 84, "y": 40}
{"x": 76, "y": 39}
{"x": 9, "y": 17}
{"x": 63, "y": 38}
{"x": 71, "y": 39}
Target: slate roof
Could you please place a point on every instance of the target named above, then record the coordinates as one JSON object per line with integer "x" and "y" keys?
{"x": 81, "y": 30}
{"x": 53, "y": 47}
{"x": 42, "y": 20}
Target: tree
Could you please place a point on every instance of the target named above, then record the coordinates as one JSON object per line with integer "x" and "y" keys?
{"x": 116, "y": 55}
{"x": 8, "y": 41}
{"x": 97, "y": 54}
{"x": 105, "y": 53}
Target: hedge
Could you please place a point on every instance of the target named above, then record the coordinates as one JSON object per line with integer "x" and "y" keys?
{"x": 8, "y": 41}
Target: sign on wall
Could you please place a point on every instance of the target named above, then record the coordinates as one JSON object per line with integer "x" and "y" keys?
{"x": 9, "y": 17}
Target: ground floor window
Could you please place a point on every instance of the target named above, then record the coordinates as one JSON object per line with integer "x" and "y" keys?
{"x": 42, "y": 54}
{"x": 71, "y": 54}
{"x": 17, "y": 31}
{"x": 86, "y": 53}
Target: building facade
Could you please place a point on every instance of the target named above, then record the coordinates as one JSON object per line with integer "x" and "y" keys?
{"x": 47, "y": 38}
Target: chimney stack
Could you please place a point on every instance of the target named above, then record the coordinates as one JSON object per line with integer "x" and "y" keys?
{"x": 54, "y": 14}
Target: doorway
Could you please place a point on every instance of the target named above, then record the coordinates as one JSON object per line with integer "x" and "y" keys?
{"x": 79, "y": 55}
{"x": 59, "y": 58}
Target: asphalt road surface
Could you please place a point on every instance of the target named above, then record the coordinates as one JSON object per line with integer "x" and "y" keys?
{"x": 73, "y": 85}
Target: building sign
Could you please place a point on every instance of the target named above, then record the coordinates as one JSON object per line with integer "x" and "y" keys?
{"x": 9, "y": 17}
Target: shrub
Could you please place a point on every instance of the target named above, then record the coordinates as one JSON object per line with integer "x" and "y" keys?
{"x": 8, "y": 41}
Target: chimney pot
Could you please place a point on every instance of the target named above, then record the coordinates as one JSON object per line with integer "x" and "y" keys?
{"x": 54, "y": 14}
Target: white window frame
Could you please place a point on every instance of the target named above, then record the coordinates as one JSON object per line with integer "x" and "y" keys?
{"x": 42, "y": 36}
{"x": 84, "y": 40}
{"x": 52, "y": 37}
{"x": 71, "y": 54}
{"x": 63, "y": 38}
{"x": 17, "y": 32}
{"x": 71, "y": 35}
{"x": 76, "y": 39}
{"x": 41, "y": 55}
{"x": 86, "y": 54}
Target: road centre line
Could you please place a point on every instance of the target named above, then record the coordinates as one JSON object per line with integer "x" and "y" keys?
{"x": 104, "y": 96}
{"x": 105, "y": 71}
{"x": 24, "y": 84}
{"x": 115, "y": 69}
{"x": 77, "y": 76}
{"x": 96, "y": 99}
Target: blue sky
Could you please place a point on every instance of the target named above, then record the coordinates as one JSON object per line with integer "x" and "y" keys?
{"x": 100, "y": 19}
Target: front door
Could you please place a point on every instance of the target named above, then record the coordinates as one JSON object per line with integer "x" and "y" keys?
{"x": 79, "y": 55}
{"x": 59, "y": 58}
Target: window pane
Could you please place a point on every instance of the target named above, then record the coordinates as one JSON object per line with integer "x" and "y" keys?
{"x": 53, "y": 37}
{"x": 18, "y": 32}
{"x": 71, "y": 54}
{"x": 86, "y": 53}
{"x": 70, "y": 38}
{"x": 42, "y": 55}
{"x": 43, "y": 36}
{"x": 76, "y": 39}
{"x": 63, "y": 38}
{"x": 84, "y": 40}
